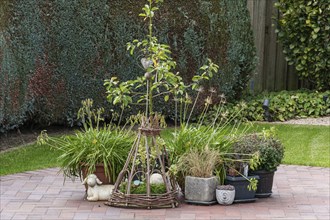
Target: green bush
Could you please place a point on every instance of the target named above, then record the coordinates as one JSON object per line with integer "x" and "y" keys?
{"x": 304, "y": 30}
{"x": 283, "y": 105}
{"x": 271, "y": 151}
{"x": 56, "y": 53}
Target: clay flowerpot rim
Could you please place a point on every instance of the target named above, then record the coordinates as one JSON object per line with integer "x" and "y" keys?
{"x": 97, "y": 164}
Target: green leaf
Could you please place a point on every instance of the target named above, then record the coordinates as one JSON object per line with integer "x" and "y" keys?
{"x": 116, "y": 100}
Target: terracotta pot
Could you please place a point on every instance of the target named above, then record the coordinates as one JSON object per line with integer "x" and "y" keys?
{"x": 99, "y": 172}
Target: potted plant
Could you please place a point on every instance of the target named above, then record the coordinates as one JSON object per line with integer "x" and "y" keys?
{"x": 94, "y": 149}
{"x": 237, "y": 175}
{"x": 271, "y": 153}
{"x": 160, "y": 82}
{"x": 198, "y": 165}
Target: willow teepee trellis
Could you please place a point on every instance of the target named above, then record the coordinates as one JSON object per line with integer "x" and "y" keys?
{"x": 138, "y": 170}
{"x": 146, "y": 157}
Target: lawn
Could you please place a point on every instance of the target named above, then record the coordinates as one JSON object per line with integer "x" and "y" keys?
{"x": 30, "y": 157}
{"x": 304, "y": 145}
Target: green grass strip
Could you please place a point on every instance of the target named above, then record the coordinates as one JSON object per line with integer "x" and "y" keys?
{"x": 28, "y": 158}
{"x": 307, "y": 145}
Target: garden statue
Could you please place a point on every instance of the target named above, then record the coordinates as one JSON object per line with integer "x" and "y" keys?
{"x": 96, "y": 191}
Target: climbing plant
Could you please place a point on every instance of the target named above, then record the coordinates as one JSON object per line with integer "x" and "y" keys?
{"x": 304, "y": 30}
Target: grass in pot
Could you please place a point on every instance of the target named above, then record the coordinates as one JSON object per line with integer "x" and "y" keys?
{"x": 94, "y": 146}
{"x": 198, "y": 165}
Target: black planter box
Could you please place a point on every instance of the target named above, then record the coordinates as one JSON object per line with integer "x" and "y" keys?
{"x": 265, "y": 183}
{"x": 242, "y": 193}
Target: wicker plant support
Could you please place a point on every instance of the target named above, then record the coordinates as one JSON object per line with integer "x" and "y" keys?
{"x": 149, "y": 130}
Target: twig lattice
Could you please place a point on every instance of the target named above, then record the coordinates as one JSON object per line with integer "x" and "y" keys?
{"x": 137, "y": 167}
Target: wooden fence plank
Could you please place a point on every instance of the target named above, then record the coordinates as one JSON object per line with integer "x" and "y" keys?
{"x": 257, "y": 10}
{"x": 270, "y": 48}
{"x": 273, "y": 72}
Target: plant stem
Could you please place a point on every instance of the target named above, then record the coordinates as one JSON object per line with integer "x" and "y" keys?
{"x": 176, "y": 112}
{"x": 121, "y": 115}
{"x": 147, "y": 98}
{"x": 193, "y": 107}
{"x": 150, "y": 22}
{"x": 150, "y": 98}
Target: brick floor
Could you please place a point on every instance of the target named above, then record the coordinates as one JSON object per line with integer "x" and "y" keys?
{"x": 299, "y": 192}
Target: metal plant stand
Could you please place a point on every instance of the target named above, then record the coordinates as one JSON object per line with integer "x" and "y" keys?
{"x": 138, "y": 169}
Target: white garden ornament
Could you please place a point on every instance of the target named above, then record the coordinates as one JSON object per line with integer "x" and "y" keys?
{"x": 96, "y": 191}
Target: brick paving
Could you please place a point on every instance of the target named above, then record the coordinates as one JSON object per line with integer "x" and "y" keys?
{"x": 299, "y": 192}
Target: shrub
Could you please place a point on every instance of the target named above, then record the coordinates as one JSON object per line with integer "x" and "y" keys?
{"x": 271, "y": 154}
{"x": 271, "y": 151}
{"x": 304, "y": 30}
{"x": 57, "y": 53}
{"x": 283, "y": 105}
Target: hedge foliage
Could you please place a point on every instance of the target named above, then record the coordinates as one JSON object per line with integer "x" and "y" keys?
{"x": 283, "y": 105}
{"x": 304, "y": 30}
{"x": 56, "y": 53}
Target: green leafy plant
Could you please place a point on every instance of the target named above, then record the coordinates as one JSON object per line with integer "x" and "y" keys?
{"x": 270, "y": 149}
{"x": 159, "y": 79}
{"x": 108, "y": 145}
{"x": 142, "y": 189}
{"x": 215, "y": 134}
{"x": 283, "y": 106}
{"x": 304, "y": 31}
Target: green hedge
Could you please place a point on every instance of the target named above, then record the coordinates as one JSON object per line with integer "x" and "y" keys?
{"x": 56, "y": 53}
{"x": 283, "y": 105}
{"x": 304, "y": 31}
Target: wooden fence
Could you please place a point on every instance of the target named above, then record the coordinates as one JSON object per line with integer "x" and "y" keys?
{"x": 273, "y": 72}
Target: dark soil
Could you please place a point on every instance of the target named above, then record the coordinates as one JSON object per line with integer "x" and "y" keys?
{"x": 26, "y": 136}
